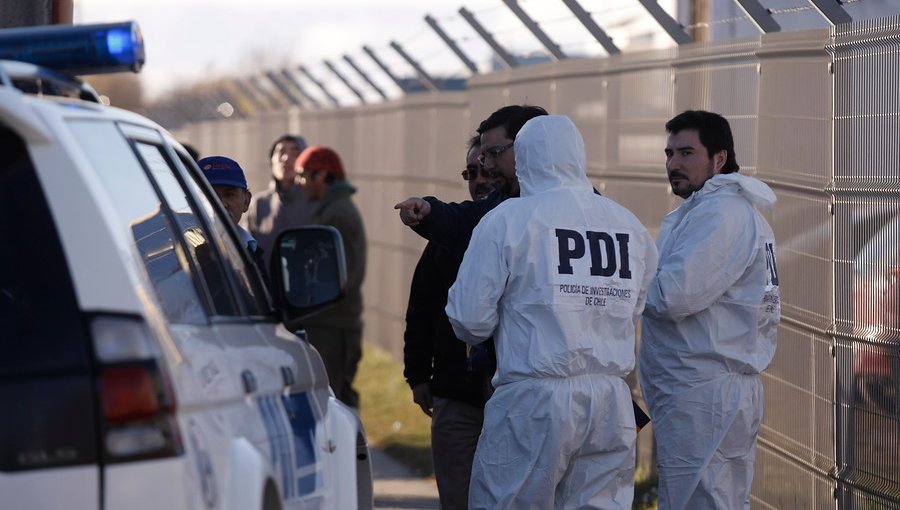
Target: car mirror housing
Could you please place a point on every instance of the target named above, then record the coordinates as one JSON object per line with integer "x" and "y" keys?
{"x": 308, "y": 271}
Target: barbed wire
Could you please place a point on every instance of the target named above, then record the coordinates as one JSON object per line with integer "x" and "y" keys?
{"x": 790, "y": 10}
{"x": 488, "y": 8}
{"x": 605, "y": 9}
{"x": 425, "y": 46}
{"x": 554, "y": 21}
{"x": 724, "y": 21}
{"x": 419, "y": 33}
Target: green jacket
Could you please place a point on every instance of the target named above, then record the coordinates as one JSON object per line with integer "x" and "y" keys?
{"x": 337, "y": 210}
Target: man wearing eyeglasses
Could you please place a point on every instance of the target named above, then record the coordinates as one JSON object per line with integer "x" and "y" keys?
{"x": 451, "y": 224}
{"x": 559, "y": 278}
{"x": 481, "y": 182}
{"x": 446, "y": 387}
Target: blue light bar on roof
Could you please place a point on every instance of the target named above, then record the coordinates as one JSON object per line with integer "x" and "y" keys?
{"x": 76, "y": 49}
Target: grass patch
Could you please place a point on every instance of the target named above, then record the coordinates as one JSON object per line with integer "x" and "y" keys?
{"x": 393, "y": 422}
{"x": 645, "y": 491}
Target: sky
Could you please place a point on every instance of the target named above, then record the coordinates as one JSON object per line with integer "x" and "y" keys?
{"x": 192, "y": 40}
{"x": 188, "y": 41}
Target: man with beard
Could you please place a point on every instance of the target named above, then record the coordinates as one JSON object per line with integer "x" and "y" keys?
{"x": 559, "y": 277}
{"x": 451, "y": 224}
{"x": 710, "y": 321}
{"x": 443, "y": 384}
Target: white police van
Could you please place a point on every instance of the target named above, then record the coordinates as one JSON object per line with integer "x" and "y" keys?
{"x": 144, "y": 363}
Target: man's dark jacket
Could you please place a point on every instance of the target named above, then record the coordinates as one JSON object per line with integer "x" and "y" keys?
{"x": 451, "y": 225}
{"x": 448, "y": 227}
{"x": 431, "y": 352}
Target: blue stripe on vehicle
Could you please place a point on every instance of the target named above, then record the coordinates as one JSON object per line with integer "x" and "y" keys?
{"x": 303, "y": 426}
{"x": 265, "y": 413}
{"x": 284, "y": 442}
{"x": 280, "y": 451}
{"x": 307, "y": 484}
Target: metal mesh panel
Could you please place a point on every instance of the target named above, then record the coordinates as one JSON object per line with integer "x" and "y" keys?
{"x": 779, "y": 482}
{"x": 802, "y": 225}
{"x": 825, "y": 137}
{"x": 640, "y": 103}
{"x": 868, "y": 348}
{"x": 797, "y": 434}
{"x": 863, "y": 500}
{"x": 798, "y": 418}
{"x": 867, "y": 262}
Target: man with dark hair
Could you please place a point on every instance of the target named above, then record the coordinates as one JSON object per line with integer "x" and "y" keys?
{"x": 481, "y": 183}
{"x": 559, "y": 278}
{"x": 451, "y": 224}
{"x": 448, "y": 228}
{"x": 715, "y": 134}
{"x": 710, "y": 322}
{"x": 497, "y": 134}
{"x": 282, "y": 205}
{"x": 337, "y": 331}
{"x": 444, "y": 385}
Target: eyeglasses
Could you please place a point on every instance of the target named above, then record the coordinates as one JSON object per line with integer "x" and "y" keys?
{"x": 493, "y": 152}
{"x": 473, "y": 171}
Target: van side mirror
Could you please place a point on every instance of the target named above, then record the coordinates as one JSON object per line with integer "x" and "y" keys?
{"x": 308, "y": 271}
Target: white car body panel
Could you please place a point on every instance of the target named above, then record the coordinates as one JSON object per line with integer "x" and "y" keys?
{"x": 228, "y": 431}
{"x": 73, "y": 487}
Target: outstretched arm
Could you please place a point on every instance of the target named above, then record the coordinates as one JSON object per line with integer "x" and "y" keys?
{"x": 448, "y": 224}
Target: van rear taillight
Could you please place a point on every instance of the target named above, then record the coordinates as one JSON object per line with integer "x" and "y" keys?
{"x": 137, "y": 404}
{"x": 127, "y": 393}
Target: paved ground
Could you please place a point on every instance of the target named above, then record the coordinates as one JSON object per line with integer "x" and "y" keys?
{"x": 396, "y": 488}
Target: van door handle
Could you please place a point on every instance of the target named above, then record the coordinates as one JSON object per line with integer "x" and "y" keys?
{"x": 249, "y": 381}
{"x": 287, "y": 375}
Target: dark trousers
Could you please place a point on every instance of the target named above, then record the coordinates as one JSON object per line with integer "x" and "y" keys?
{"x": 455, "y": 427}
{"x": 341, "y": 350}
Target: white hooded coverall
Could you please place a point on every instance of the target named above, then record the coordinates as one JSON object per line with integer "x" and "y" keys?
{"x": 708, "y": 331}
{"x": 559, "y": 278}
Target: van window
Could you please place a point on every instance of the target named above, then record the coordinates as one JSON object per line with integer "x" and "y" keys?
{"x": 46, "y": 388}
{"x": 250, "y": 287}
{"x": 40, "y": 324}
{"x": 196, "y": 239}
{"x": 145, "y": 217}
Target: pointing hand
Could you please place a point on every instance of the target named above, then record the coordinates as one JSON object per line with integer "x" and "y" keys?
{"x": 413, "y": 210}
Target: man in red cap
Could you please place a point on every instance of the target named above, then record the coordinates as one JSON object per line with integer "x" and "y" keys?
{"x": 337, "y": 332}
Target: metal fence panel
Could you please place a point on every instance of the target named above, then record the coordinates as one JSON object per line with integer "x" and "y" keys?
{"x": 816, "y": 114}
{"x": 866, "y": 195}
{"x": 782, "y": 483}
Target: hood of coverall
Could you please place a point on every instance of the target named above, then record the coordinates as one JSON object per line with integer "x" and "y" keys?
{"x": 550, "y": 155}
{"x": 756, "y": 191}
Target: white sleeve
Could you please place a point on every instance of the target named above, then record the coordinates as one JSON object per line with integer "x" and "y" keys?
{"x": 651, "y": 260}
{"x": 473, "y": 300}
{"x": 713, "y": 248}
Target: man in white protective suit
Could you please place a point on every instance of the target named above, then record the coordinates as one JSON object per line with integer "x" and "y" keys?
{"x": 710, "y": 322}
{"x": 559, "y": 278}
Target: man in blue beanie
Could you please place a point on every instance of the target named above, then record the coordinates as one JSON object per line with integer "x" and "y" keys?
{"x": 227, "y": 179}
